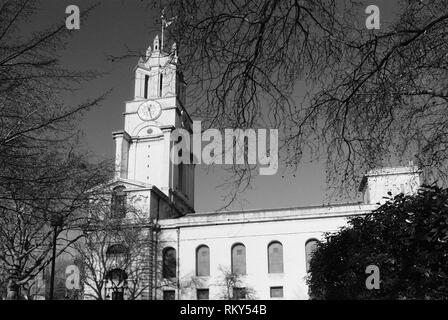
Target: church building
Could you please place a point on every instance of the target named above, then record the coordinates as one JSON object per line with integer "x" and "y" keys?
{"x": 253, "y": 254}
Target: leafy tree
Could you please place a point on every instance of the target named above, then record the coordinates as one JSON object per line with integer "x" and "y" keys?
{"x": 406, "y": 238}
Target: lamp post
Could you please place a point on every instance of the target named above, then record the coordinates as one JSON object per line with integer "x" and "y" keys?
{"x": 56, "y": 221}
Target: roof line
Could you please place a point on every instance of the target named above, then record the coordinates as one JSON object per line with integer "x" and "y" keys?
{"x": 277, "y": 209}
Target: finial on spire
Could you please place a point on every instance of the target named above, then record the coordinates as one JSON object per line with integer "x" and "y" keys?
{"x": 165, "y": 24}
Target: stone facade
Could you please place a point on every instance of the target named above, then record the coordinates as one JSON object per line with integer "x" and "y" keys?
{"x": 271, "y": 246}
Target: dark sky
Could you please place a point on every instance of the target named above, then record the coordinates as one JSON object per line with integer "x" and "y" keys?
{"x": 116, "y": 25}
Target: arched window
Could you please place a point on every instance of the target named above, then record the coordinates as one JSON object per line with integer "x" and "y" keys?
{"x": 310, "y": 247}
{"x": 169, "y": 263}
{"x": 117, "y": 255}
{"x": 118, "y": 202}
{"x": 275, "y": 257}
{"x": 239, "y": 259}
{"x": 203, "y": 261}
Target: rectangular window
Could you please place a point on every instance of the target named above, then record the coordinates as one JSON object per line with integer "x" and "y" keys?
{"x": 146, "y": 86}
{"x": 169, "y": 295}
{"x": 239, "y": 293}
{"x": 202, "y": 294}
{"x": 117, "y": 295}
{"x": 160, "y": 85}
{"x": 276, "y": 292}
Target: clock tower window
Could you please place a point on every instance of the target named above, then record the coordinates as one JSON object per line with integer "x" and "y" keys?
{"x": 146, "y": 86}
{"x": 160, "y": 84}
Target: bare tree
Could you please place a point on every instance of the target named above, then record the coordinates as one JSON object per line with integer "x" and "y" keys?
{"x": 113, "y": 243}
{"x": 27, "y": 208}
{"x": 41, "y": 174}
{"x": 32, "y": 80}
{"x": 368, "y": 97}
{"x": 234, "y": 286}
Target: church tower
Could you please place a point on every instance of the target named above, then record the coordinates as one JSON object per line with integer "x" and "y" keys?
{"x": 143, "y": 147}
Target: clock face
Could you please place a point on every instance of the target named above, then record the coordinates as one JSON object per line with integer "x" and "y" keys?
{"x": 149, "y": 110}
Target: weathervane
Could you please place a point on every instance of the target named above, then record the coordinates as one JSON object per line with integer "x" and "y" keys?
{"x": 165, "y": 24}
